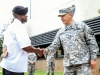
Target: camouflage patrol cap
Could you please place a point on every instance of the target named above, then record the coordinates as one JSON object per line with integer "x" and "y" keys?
{"x": 67, "y": 10}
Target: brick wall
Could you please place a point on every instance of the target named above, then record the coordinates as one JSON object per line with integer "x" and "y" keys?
{"x": 41, "y": 65}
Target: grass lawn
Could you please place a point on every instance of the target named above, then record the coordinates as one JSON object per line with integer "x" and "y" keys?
{"x": 37, "y": 72}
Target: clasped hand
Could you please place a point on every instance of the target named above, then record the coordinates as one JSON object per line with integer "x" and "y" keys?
{"x": 40, "y": 51}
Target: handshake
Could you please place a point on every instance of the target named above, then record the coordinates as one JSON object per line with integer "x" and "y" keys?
{"x": 40, "y": 52}
{"x": 29, "y": 49}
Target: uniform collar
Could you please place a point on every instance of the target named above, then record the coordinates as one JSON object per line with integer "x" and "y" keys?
{"x": 71, "y": 26}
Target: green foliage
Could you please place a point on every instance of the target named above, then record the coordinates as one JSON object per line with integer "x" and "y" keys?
{"x": 12, "y": 20}
{"x": 2, "y": 36}
{"x": 1, "y": 33}
{"x": 1, "y": 42}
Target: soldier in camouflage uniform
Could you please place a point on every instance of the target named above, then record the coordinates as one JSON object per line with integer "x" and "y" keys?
{"x": 50, "y": 58}
{"x": 79, "y": 44}
{"x": 32, "y": 57}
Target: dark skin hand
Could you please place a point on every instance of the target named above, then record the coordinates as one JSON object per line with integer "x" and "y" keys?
{"x": 35, "y": 50}
{"x": 5, "y": 53}
{"x": 28, "y": 49}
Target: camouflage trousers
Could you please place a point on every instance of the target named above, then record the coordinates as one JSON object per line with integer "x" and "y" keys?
{"x": 83, "y": 69}
{"x": 31, "y": 69}
{"x": 50, "y": 66}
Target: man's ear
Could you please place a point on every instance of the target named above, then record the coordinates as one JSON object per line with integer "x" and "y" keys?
{"x": 18, "y": 16}
{"x": 70, "y": 14}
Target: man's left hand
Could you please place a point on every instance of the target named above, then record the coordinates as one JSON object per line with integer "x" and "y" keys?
{"x": 5, "y": 53}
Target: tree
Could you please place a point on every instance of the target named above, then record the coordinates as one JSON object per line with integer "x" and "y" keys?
{"x": 1, "y": 42}
{"x": 2, "y": 36}
{"x": 5, "y": 25}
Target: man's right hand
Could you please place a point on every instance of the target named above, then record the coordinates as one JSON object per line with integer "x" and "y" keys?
{"x": 30, "y": 49}
{"x": 93, "y": 64}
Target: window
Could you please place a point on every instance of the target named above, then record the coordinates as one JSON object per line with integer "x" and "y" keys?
{"x": 98, "y": 41}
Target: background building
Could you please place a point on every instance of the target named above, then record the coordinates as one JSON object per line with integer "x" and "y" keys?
{"x": 44, "y": 13}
